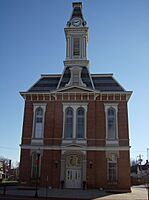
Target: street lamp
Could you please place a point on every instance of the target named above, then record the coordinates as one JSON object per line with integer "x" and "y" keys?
{"x": 147, "y": 179}
{"x": 147, "y": 187}
{"x": 37, "y": 174}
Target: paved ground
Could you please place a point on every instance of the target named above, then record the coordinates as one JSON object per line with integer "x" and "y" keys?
{"x": 16, "y": 193}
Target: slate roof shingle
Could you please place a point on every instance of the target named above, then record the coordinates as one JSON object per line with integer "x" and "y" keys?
{"x": 106, "y": 84}
{"x": 45, "y": 84}
{"x": 101, "y": 83}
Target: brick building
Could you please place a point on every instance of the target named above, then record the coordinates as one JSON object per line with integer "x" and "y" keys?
{"x": 75, "y": 128}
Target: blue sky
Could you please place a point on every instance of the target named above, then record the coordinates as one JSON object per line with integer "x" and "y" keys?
{"x": 32, "y": 42}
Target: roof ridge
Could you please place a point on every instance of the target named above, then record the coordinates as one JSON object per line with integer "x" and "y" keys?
{"x": 50, "y": 75}
{"x": 102, "y": 75}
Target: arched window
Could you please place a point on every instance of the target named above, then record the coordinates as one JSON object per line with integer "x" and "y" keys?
{"x": 69, "y": 122}
{"x": 111, "y": 123}
{"x": 80, "y": 125}
{"x": 38, "y": 131}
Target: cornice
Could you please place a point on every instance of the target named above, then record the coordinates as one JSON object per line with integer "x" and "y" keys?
{"x": 77, "y": 62}
{"x": 74, "y": 29}
{"x": 102, "y": 75}
{"x": 51, "y": 75}
{"x": 85, "y": 148}
{"x": 77, "y": 96}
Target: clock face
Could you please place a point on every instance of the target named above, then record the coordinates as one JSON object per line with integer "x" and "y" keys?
{"x": 76, "y": 22}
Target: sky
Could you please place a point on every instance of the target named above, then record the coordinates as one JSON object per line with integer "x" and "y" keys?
{"x": 32, "y": 42}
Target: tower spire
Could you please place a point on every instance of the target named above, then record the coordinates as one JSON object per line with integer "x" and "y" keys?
{"x": 77, "y": 13}
{"x": 76, "y": 32}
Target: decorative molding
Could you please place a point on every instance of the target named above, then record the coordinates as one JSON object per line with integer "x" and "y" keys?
{"x": 79, "y": 30}
{"x": 75, "y": 71}
{"x": 74, "y": 62}
{"x": 110, "y": 153}
{"x": 82, "y": 148}
{"x": 97, "y": 95}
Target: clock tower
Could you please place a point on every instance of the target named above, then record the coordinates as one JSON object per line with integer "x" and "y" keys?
{"x": 76, "y": 123}
{"x": 76, "y": 32}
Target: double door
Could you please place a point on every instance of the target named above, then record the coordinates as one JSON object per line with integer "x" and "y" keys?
{"x": 73, "y": 178}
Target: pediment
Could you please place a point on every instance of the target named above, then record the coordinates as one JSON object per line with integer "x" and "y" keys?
{"x": 74, "y": 89}
{"x": 73, "y": 146}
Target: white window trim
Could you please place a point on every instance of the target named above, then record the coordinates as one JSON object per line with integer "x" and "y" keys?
{"x": 35, "y": 106}
{"x": 35, "y": 152}
{"x": 115, "y": 106}
{"x": 74, "y": 106}
{"x": 114, "y": 159}
{"x": 113, "y": 162}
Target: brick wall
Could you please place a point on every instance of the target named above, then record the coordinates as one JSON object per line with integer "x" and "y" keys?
{"x": 25, "y": 166}
{"x": 50, "y": 168}
{"x": 96, "y": 128}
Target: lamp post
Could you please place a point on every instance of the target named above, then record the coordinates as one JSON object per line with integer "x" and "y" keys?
{"x": 147, "y": 187}
{"x": 37, "y": 174}
{"x": 147, "y": 180}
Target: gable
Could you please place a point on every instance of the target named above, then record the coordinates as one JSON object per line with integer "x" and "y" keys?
{"x": 76, "y": 89}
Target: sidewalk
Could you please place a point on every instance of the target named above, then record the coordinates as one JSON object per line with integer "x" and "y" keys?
{"x": 138, "y": 193}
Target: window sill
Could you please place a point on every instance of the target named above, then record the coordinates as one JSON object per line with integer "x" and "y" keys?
{"x": 74, "y": 141}
{"x": 112, "y": 182}
{"x": 37, "y": 141}
{"x": 112, "y": 142}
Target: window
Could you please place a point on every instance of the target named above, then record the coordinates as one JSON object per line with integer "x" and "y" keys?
{"x": 111, "y": 119}
{"x": 74, "y": 126}
{"x": 111, "y": 123}
{"x": 76, "y": 46}
{"x": 112, "y": 168}
{"x": 38, "y": 123}
{"x": 35, "y": 165}
{"x": 69, "y": 122}
{"x": 80, "y": 123}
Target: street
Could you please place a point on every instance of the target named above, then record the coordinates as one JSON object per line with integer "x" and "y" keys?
{"x": 12, "y": 193}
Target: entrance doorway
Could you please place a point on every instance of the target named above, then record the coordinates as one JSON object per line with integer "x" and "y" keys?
{"x": 73, "y": 178}
{"x": 73, "y": 175}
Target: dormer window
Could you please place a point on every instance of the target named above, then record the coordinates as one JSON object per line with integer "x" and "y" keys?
{"x": 76, "y": 46}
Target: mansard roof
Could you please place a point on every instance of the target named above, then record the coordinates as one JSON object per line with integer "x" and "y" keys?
{"x": 106, "y": 83}
{"x": 98, "y": 82}
{"x": 46, "y": 83}
{"x": 77, "y": 10}
{"x": 84, "y": 76}
{"x": 77, "y": 13}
